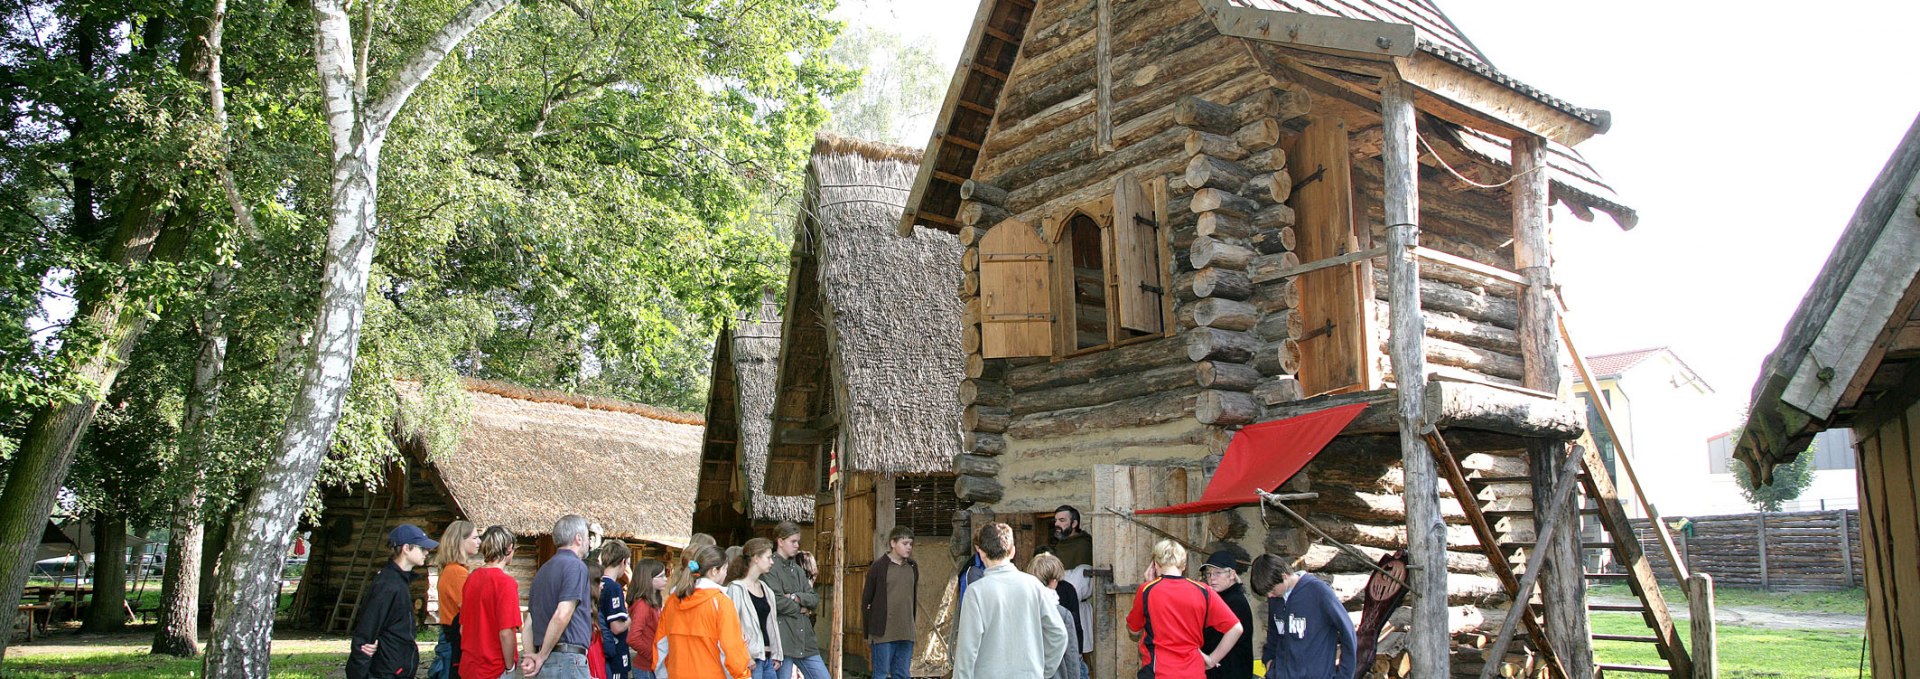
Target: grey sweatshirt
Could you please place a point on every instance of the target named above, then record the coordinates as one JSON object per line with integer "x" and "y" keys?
{"x": 1010, "y": 628}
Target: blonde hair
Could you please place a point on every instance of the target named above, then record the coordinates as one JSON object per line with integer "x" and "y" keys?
{"x": 1047, "y": 568}
{"x": 450, "y": 541}
{"x": 1169, "y": 554}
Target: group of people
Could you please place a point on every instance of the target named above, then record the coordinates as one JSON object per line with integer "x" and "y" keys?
{"x": 746, "y": 612}
{"x": 1036, "y": 625}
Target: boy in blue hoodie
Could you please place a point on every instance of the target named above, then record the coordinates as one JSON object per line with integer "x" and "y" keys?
{"x": 1309, "y": 635}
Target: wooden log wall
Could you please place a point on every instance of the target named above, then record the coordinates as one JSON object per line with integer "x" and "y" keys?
{"x": 1472, "y": 320}
{"x": 1817, "y": 550}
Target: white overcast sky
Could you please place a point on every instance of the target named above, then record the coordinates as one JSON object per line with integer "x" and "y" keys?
{"x": 1744, "y": 133}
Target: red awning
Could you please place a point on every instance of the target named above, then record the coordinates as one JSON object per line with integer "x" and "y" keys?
{"x": 1265, "y": 455}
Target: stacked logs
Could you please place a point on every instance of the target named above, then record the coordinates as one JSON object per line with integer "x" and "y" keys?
{"x": 1234, "y": 191}
{"x": 983, "y": 395}
{"x": 1471, "y": 646}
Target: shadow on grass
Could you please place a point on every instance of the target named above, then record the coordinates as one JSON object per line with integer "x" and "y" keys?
{"x": 138, "y": 664}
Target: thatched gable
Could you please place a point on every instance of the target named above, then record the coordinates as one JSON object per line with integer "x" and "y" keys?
{"x": 740, "y": 401}
{"x": 528, "y": 457}
{"x": 871, "y": 348}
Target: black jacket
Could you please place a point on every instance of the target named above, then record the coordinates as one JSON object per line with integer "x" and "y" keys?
{"x": 385, "y": 615}
{"x": 1237, "y": 663}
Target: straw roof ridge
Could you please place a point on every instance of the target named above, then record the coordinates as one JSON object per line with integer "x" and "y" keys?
{"x": 894, "y": 321}
{"x": 827, "y": 143}
{"x": 523, "y": 462}
{"x": 520, "y": 393}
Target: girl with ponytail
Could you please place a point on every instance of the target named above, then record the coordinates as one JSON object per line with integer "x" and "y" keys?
{"x": 700, "y": 624}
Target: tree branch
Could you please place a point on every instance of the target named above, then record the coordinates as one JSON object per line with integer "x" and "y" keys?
{"x": 421, "y": 66}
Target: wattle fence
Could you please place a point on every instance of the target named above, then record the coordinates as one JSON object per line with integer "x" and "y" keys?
{"x": 1766, "y": 550}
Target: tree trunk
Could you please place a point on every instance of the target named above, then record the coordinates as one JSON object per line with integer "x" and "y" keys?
{"x": 249, "y": 573}
{"x": 46, "y": 450}
{"x": 178, "y": 634}
{"x": 107, "y": 613}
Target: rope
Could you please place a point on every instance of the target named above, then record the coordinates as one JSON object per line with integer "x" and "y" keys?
{"x": 1456, "y": 174}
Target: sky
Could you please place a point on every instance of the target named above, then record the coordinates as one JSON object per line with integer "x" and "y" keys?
{"x": 1745, "y": 135}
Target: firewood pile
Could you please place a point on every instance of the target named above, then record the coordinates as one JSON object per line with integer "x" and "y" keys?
{"x": 1470, "y": 655}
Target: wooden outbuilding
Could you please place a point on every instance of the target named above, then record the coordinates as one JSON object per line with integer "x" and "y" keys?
{"x": 524, "y": 458}
{"x": 867, "y": 416}
{"x": 1182, "y": 218}
{"x": 1850, "y": 357}
{"x": 733, "y": 505}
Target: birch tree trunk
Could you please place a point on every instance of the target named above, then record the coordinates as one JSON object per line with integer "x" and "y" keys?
{"x": 260, "y": 535}
{"x": 179, "y": 630}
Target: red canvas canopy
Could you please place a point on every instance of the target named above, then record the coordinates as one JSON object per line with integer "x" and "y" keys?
{"x": 1265, "y": 455}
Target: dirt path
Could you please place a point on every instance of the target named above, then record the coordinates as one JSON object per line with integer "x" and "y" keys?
{"x": 1762, "y": 617}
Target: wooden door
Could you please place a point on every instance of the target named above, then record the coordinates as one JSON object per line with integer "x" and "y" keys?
{"x": 1333, "y": 354}
{"x": 1122, "y": 549}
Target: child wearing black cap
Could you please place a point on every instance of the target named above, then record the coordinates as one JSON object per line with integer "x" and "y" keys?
{"x": 1222, "y": 573}
{"x": 383, "y": 644}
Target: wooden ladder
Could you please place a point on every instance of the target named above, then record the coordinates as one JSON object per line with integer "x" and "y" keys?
{"x": 366, "y": 553}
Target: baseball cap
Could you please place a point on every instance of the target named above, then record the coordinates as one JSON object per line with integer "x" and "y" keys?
{"x": 1222, "y": 559}
{"x": 409, "y": 534}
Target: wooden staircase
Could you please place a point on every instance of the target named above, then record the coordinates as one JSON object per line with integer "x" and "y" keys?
{"x": 367, "y": 552}
{"x": 1596, "y": 496}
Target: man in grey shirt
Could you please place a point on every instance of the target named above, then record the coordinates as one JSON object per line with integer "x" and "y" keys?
{"x": 1010, "y": 627}
{"x": 558, "y": 604}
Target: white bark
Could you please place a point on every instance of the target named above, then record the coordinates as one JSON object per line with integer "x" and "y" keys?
{"x": 257, "y": 546}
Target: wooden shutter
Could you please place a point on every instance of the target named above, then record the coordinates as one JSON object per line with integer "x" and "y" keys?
{"x": 1333, "y": 355}
{"x": 1016, "y": 316}
{"x": 1136, "y": 239}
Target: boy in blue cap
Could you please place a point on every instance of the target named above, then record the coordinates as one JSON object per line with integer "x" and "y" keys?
{"x": 383, "y": 644}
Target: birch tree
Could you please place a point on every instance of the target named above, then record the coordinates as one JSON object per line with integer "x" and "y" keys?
{"x": 357, "y": 124}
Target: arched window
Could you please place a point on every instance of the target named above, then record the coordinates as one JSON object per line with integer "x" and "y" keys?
{"x": 1088, "y": 256}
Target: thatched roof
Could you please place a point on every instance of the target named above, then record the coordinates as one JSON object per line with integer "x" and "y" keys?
{"x": 872, "y": 341}
{"x": 756, "y": 358}
{"x": 528, "y": 457}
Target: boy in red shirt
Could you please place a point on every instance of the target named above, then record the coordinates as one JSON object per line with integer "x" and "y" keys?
{"x": 490, "y": 615}
{"x": 1169, "y": 615}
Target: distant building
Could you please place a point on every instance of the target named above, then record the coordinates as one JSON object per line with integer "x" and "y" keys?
{"x": 1664, "y": 411}
{"x": 1836, "y": 483}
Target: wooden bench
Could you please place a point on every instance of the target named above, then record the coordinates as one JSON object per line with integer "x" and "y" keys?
{"x": 37, "y": 615}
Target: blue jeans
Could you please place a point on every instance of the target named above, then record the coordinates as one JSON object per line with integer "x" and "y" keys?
{"x": 565, "y": 666}
{"x": 893, "y": 659}
{"x": 811, "y": 667}
{"x": 764, "y": 669}
{"x": 642, "y": 674}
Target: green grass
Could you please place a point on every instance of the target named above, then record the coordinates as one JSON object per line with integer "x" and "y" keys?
{"x": 1843, "y": 602}
{"x": 1745, "y": 653}
{"x": 120, "y": 664}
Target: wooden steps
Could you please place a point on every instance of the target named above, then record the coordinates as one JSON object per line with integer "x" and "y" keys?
{"x": 1634, "y": 669}
{"x": 360, "y": 570}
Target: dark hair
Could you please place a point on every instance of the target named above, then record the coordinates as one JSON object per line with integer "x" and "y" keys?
{"x": 1268, "y": 570}
{"x": 785, "y": 530}
{"x": 642, "y": 584}
{"x": 738, "y": 564}
{"x": 614, "y": 553}
{"x": 707, "y": 557}
{"x": 806, "y": 563}
{"x": 900, "y": 533}
{"x": 1075, "y": 513}
{"x": 995, "y": 541}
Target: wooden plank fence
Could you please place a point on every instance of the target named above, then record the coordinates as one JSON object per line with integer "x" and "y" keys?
{"x": 1817, "y": 550}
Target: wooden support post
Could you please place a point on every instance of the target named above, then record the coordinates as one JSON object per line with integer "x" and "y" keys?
{"x": 1704, "y": 637}
{"x": 1426, "y": 532}
{"x": 836, "y": 646}
{"x": 1551, "y": 533}
{"x": 1846, "y": 548}
{"x": 1563, "y": 588}
{"x": 1760, "y": 537}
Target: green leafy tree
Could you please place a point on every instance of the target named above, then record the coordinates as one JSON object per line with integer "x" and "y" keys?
{"x": 1789, "y": 481}
{"x": 900, "y": 89}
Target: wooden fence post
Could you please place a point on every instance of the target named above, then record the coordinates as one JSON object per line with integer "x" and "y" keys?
{"x": 1765, "y": 584}
{"x": 1846, "y": 548}
{"x": 1705, "y": 652}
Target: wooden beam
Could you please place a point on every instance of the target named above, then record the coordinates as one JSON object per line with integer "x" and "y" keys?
{"x": 1103, "y": 63}
{"x": 1337, "y": 35}
{"x": 1465, "y": 264}
{"x": 917, "y": 193}
{"x": 1546, "y": 537}
{"x": 1426, "y": 529}
{"x": 1492, "y": 100}
{"x": 976, "y": 108}
{"x": 1315, "y": 265}
{"x": 987, "y": 71}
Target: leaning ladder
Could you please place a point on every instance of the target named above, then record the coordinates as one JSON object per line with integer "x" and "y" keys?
{"x": 366, "y": 552}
